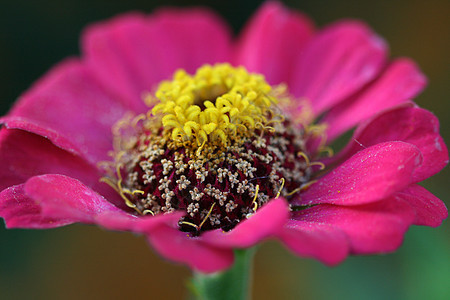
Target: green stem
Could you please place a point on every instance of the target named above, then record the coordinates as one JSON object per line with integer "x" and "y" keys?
{"x": 231, "y": 284}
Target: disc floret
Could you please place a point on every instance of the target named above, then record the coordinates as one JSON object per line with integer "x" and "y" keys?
{"x": 215, "y": 107}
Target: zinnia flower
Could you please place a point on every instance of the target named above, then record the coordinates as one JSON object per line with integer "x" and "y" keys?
{"x": 169, "y": 128}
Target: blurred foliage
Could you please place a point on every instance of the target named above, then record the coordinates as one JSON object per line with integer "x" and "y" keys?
{"x": 84, "y": 262}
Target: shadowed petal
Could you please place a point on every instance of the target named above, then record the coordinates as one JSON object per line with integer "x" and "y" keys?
{"x": 25, "y": 155}
{"x": 201, "y": 33}
{"x": 266, "y": 222}
{"x": 132, "y": 53}
{"x": 321, "y": 241}
{"x": 430, "y": 211}
{"x": 339, "y": 61}
{"x": 33, "y": 127}
{"x": 400, "y": 82}
{"x": 163, "y": 233}
{"x": 372, "y": 228}
{"x": 180, "y": 247}
{"x": 369, "y": 175}
{"x": 272, "y": 41}
{"x": 69, "y": 108}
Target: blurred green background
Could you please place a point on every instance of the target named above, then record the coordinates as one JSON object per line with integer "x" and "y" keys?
{"x": 84, "y": 262}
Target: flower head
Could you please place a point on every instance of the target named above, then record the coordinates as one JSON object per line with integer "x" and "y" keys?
{"x": 207, "y": 149}
{"x": 216, "y": 145}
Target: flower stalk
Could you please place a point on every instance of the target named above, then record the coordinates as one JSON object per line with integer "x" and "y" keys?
{"x": 234, "y": 283}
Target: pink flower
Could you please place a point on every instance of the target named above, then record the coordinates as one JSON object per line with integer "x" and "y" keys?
{"x": 60, "y": 130}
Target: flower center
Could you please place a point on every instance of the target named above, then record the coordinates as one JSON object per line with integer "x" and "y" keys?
{"x": 216, "y": 107}
{"x": 216, "y": 145}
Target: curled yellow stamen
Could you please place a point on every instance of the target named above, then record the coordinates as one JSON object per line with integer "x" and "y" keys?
{"x": 199, "y": 150}
{"x": 281, "y": 188}
{"x": 207, "y": 216}
{"x": 305, "y": 157}
{"x": 320, "y": 131}
{"x": 148, "y": 211}
{"x": 119, "y": 155}
{"x": 138, "y": 118}
{"x": 318, "y": 163}
{"x": 302, "y": 188}
{"x": 309, "y": 163}
{"x": 109, "y": 182}
{"x": 254, "y": 202}
{"x": 134, "y": 192}
{"x": 316, "y": 129}
{"x": 328, "y": 150}
{"x": 190, "y": 224}
{"x": 121, "y": 191}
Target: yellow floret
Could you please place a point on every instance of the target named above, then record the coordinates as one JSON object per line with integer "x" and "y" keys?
{"x": 216, "y": 106}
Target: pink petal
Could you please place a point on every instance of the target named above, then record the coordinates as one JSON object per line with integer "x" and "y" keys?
{"x": 62, "y": 197}
{"x": 59, "y": 200}
{"x": 201, "y": 33}
{"x": 339, "y": 61}
{"x": 133, "y": 52}
{"x": 369, "y": 175}
{"x": 430, "y": 211}
{"x": 20, "y": 211}
{"x": 178, "y": 246}
{"x": 71, "y": 109}
{"x": 372, "y": 228}
{"x": 272, "y": 41}
{"x": 400, "y": 82}
{"x": 321, "y": 241}
{"x": 141, "y": 224}
{"x": 164, "y": 235}
{"x": 25, "y": 155}
{"x": 66, "y": 200}
{"x": 409, "y": 124}
{"x": 268, "y": 221}
{"x": 33, "y": 127}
